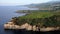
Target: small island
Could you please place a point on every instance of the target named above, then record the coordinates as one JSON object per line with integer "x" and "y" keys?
{"x": 36, "y": 20}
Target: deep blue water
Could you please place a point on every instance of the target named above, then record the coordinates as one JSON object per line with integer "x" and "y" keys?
{"x": 7, "y": 12}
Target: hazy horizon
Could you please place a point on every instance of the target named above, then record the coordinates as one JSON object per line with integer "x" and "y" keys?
{"x": 22, "y": 2}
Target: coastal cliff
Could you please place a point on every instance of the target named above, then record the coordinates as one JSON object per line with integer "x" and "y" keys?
{"x": 26, "y": 26}
{"x": 36, "y": 21}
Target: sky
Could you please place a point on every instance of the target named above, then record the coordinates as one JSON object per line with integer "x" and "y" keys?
{"x": 21, "y": 2}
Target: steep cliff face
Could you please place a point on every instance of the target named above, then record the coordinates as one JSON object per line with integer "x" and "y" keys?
{"x": 27, "y": 26}
{"x": 9, "y": 25}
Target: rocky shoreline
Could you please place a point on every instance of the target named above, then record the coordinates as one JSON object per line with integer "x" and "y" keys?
{"x": 26, "y": 26}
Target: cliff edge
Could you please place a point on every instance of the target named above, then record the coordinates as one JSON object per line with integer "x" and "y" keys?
{"x": 26, "y": 26}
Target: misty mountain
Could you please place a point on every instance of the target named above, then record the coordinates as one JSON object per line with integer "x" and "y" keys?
{"x": 46, "y": 6}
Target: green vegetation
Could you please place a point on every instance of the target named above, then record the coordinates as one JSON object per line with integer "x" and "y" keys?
{"x": 40, "y": 18}
{"x": 47, "y": 15}
{"x": 31, "y": 11}
{"x": 37, "y": 15}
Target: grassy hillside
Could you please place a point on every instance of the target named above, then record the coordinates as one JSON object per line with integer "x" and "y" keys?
{"x": 40, "y": 18}
{"x": 34, "y": 15}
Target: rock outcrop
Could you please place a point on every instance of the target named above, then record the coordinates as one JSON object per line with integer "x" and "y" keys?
{"x": 11, "y": 25}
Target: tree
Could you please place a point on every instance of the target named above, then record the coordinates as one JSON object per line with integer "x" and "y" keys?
{"x": 14, "y": 20}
